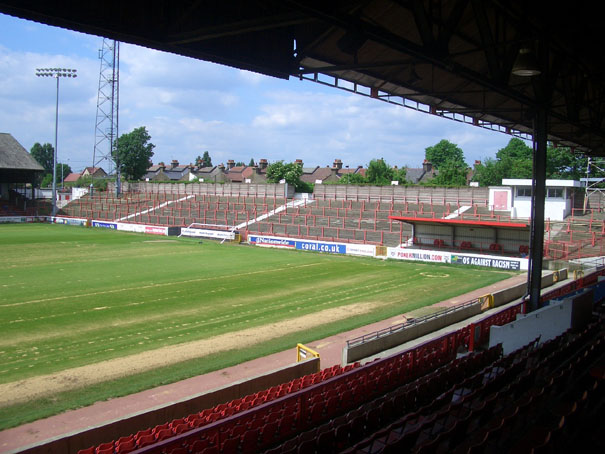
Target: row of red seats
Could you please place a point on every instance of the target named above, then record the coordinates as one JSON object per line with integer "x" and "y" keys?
{"x": 168, "y": 430}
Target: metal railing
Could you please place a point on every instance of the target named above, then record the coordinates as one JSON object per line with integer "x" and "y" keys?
{"x": 410, "y": 323}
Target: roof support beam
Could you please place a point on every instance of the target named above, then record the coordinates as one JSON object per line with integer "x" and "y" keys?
{"x": 537, "y": 217}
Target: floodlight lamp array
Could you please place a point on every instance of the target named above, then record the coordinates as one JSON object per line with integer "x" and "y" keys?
{"x": 56, "y": 72}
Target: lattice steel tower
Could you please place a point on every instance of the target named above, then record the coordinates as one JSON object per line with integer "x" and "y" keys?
{"x": 108, "y": 100}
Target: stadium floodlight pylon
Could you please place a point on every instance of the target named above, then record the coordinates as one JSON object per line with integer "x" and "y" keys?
{"x": 108, "y": 100}
{"x": 593, "y": 184}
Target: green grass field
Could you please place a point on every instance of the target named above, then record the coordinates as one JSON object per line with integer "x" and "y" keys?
{"x": 73, "y": 296}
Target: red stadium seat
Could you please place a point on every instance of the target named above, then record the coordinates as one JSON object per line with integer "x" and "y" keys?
{"x": 268, "y": 432}
{"x": 163, "y": 434}
{"x": 90, "y": 450}
{"x": 181, "y": 428}
{"x": 178, "y": 451}
{"x": 160, "y": 427}
{"x": 105, "y": 450}
{"x": 249, "y": 441}
{"x": 230, "y": 445}
{"x": 199, "y": 445}
{"x": 125, "y": 446}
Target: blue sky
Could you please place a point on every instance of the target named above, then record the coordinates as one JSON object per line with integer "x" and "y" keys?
{"x": 190, "y": 106}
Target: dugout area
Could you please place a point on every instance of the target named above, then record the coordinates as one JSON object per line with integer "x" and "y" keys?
{"x": 471, "y": 235}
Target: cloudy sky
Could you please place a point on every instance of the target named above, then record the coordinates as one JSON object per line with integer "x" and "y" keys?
{"x": 190, "y": 106}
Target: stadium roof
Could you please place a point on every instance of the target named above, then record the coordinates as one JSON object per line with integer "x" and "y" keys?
{"x": 452, "y": 58}
{"x": 467, "y": 222}
{"x": 16, "y": 164}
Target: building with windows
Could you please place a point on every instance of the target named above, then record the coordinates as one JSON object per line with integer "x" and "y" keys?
{"x": 515, "y": 196}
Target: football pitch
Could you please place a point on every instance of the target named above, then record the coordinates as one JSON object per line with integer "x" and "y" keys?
{"x": 101, "y": 313}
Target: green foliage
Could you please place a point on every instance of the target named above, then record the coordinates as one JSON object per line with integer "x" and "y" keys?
{"x": 352, "y": 178}
{"x": 303, "y": 186}
{"x": 450, "y": 174}
{"x": 44, "y": 154}
{"x": 63, "y": 170}
{"x": 204, "y": 160}
{"x": 99, "y": 184}
{"x": 290, "y": 172}
{"x": 562, "y": 164}
{"x": 379, "y": 172}
{"x": 444, "y": 152}
{"x": 516, "y": 161}
{"x": 514, "y": 150}
{"x": 488, "y": 173}
{"x": 47, "y": 180}
{"x": 251, "y": 163}
{"x": 400, "y": 175}
{"x": 133, "y": 153}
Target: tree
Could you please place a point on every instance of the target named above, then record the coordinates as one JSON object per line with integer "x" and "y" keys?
{"x": 133, "y": 152}
{"x": 444, "y": 152}
{"x": 352, "y": 178}
{"x": 562, "y": 164}
{"x": 516, "y": 149}
{"x": 513, "y": 161}
{"x": 44, "y": 154}
{"x": 516, "y": 161}
{"x": 450, "y": 174}
{"x": 203, "y": 161}
{"x": 379, "y": 172}
{"x": 62, "y": 171}
{"x": 400, "y": 175}
{"x": 251, "y": 163}
{"x": 488, "y": 173}
{"x": 290, "y": 172}
{"x": 206, "y": 161}
{"x": 47, "y": 180}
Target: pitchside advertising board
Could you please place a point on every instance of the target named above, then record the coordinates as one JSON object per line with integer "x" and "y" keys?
{"x": 105, "y": 225}
{"x": 418, "y": 255}
{"x": 136, "y": 228}
{"x": 502, "y": 263}
{"x": 306, "y": 245}
{"x": 490, "y": 261}
{"x": 203, "y": 233}
{"x": 69, "y": 221}
{"x": 21, "y": 219}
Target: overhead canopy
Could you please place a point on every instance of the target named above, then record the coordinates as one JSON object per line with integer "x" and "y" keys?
{"x": 448, "y": 57}
{"x": 465, "y": 222}
{"x": 16, "y": 164}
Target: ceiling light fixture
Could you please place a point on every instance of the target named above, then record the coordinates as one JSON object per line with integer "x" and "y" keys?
{"x": 526, "y": 64}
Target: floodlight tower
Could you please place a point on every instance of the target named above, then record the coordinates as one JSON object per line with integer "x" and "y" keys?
{"x": 57, "y": 73}
{"x": 106, "y": 126}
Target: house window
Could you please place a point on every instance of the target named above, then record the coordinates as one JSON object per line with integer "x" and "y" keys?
{"x": 554, "y": 193}
{"x": 524, "y": 191}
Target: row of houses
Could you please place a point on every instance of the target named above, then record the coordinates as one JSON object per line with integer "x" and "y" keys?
{"x": 232, "y": 173}
{"x": 95, "y": 172}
